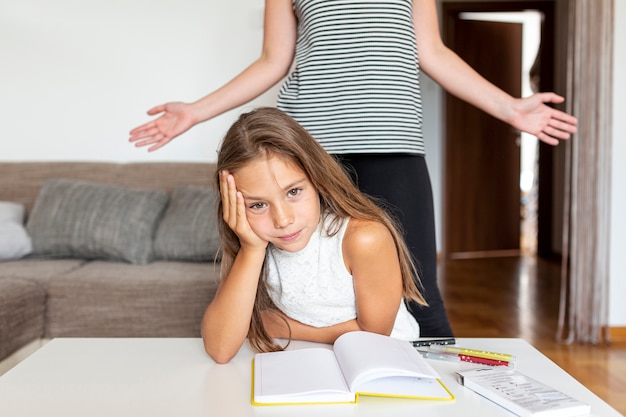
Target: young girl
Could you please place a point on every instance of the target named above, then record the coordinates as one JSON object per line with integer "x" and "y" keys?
{"x": 306, "y": 255}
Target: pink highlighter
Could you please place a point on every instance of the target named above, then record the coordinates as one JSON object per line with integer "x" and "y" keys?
{"x": 459, "y": 357}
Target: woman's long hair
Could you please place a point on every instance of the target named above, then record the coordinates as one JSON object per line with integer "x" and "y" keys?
{"x": 268, "y": 132}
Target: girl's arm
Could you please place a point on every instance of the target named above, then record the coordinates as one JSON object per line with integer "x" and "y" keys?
{"x": 279, "y": 42}
{"x": 275, "y": 324}
{"x": 530, "y": 114}
{"x": 370, "y": 255}
{"x": 227, "y": 319}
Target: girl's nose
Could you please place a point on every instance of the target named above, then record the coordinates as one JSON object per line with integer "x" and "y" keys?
{"x": 283, "y": 216}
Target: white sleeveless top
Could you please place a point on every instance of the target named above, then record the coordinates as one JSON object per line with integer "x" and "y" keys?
{"x": 314, "y": 287}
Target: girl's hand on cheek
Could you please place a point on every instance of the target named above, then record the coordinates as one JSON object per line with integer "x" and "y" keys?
{"x": 234, "y": 213}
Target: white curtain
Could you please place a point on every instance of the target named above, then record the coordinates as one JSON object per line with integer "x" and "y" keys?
{"x": 583, "y": 316}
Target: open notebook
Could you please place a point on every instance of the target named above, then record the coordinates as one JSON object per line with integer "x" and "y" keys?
{"x": 360, "y": 363}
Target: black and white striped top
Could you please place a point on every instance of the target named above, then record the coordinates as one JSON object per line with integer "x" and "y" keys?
{"x": 355, "y": 86}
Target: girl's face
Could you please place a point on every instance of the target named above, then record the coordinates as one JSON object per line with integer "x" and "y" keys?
{"x": 282, "y": 205}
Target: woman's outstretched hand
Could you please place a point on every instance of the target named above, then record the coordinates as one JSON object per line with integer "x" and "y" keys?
{"x": 534, "y": 116}
{"x": 176, "y": 118}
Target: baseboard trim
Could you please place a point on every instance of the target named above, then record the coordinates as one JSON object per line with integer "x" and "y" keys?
{"x": 485, "y": 254}
{"x": 617, "y": 334}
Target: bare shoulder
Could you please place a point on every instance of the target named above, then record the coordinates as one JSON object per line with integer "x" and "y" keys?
{"x": 366, "y": 246}
{"x": 366, "y": 236}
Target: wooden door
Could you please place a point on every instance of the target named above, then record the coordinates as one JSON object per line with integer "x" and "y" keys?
{"x": 482, "y": 154}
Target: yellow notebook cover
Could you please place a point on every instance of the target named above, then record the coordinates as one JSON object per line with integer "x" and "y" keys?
{"x": 360, "y": 363}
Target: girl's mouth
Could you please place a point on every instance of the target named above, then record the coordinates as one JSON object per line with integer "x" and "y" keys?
{"x": 291, "y": 237}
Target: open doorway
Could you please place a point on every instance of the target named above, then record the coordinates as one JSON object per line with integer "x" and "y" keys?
{"x": 531, "y": 21}
{"x": 491, "y": 197}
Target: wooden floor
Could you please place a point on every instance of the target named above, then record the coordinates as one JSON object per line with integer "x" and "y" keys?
{"x": 519, "y": 297}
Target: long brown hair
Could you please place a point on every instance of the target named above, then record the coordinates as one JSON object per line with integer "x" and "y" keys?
{"x": 267, "y": 132}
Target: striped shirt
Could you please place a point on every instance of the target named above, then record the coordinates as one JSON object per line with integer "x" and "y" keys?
{"x": 355, "y": 85}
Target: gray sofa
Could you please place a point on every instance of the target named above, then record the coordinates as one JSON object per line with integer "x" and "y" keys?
{"x": 118, "y": 250}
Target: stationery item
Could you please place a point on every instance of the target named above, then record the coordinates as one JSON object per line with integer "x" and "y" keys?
{"x": 520, "y": 394}
{"x": 360, "y": 363}
{"x": 457, "y": 357}
{"x": 474, "y": 352}
{"x": 428, "y": 341}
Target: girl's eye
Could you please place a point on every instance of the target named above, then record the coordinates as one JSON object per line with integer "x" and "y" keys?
{"x": 257, "y": 206}
{"x": 294, "y": 192}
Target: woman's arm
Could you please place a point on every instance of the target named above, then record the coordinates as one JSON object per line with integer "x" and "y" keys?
{"x": 530, "y": 114}
{"x": 370, "y": 255}
{"x": 279, "y": 42}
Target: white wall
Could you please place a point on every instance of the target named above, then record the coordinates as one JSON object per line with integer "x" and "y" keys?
{"x": 77, "y": 75}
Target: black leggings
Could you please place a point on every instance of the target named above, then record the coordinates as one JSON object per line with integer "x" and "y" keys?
{"x": 403, "y": 183}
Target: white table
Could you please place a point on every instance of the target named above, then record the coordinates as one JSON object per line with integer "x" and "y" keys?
{"x": 175, "y": 377}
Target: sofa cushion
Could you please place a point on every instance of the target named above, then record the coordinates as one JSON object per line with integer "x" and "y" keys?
{"x": 39, "y": 271}
{"x": 89, "y": 220}
{"x": 22, "y": 309}
{"x": 188, "y": 230}
{"x": 14, "y": 240}
{"x": 113, "y": 299}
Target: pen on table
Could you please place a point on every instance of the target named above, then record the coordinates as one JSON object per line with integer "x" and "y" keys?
{"x": 505, "y": 357}
{"x": 428, "y": 341}
{"x": 456, "y": 357}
